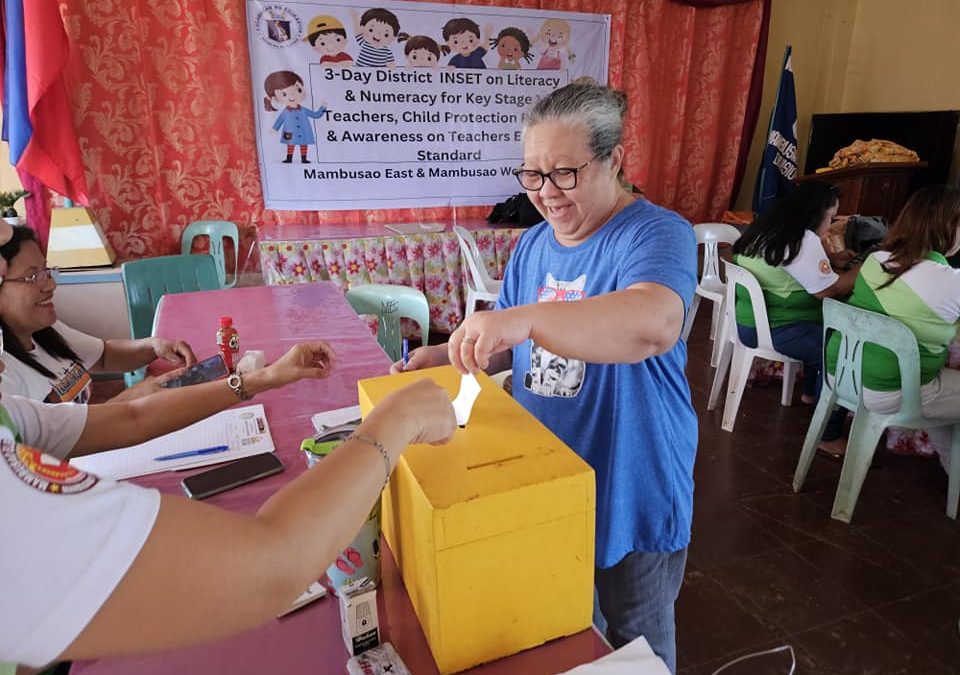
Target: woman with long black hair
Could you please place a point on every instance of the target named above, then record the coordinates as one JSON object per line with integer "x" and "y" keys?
{"x": 45, "y": 359}
{"x": 783, "y": 250}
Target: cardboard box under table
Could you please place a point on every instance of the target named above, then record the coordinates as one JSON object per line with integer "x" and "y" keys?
{"x": 494, "y": 532}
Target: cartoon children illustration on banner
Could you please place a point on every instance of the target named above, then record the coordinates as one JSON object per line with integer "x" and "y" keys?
{"x": 376, "y": 30}
{"x": 555, "y": 36}
{"x": 422, "y": 51}
{"x": 512, "y": 44}
{"x": 462, "y": 37}
{"x": 285, "y": 89}
{"x": 328, "y": 37}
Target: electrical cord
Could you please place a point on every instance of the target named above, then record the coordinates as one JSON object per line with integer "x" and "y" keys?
{"x": 775, "y": 650}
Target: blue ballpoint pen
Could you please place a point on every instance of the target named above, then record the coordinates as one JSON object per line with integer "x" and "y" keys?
{"x": 406, "y": 352}
{"x": 193, "y": 453}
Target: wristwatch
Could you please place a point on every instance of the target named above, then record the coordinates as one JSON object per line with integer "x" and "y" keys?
{"x": 235, "y": 382}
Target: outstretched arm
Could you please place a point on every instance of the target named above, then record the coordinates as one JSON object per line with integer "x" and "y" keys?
{"x": 119, "y": 356}
{"x": 196, "y": 557}
{"x": 626, "y": 326}
{"x": 117, "y": 425}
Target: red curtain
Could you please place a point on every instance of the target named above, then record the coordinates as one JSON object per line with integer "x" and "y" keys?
{"x": 161, "y": 99}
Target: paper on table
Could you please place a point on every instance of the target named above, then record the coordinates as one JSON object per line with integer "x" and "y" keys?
{"x": 245, "y": 430}
{"x": 332, "y": 418}
{"x": 634, "y": 658}
{"x": 463, "y": 403}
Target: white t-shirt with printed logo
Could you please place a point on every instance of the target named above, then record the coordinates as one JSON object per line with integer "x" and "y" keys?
{"x": 71, "y": 381}
{"x": 55, "y": 427}
{"x": 51, "y": 512}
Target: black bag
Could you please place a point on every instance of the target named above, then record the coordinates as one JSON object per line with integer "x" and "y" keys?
{"x": 517, "y": 210}
{"x": 864, "y": 232}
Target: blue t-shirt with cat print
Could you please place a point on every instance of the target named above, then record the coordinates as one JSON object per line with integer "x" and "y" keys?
{"x": 633, "y": 423}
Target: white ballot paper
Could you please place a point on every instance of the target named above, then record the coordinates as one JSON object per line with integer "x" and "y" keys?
{"x": 244, "y": 430}
{"x": 463, "y": 403}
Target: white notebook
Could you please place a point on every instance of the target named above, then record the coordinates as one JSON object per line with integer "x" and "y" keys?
{"x": 244, "y": 430}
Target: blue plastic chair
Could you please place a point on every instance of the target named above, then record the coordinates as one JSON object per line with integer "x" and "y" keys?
{"x": 858, "y": 327}
{"x": 217, "y": 231}
{"x": 146, "y": 281}
{"x": 389, "y": 303}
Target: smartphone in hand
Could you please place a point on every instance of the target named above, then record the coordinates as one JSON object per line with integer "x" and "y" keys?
{"x": 207, "y": 370}
{"x": 229, "y": 476}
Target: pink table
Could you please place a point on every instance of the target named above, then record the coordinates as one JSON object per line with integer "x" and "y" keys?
{"x": 307, "y": 642}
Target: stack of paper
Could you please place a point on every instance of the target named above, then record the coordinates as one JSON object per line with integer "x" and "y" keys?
{"x": 244, "y": 430}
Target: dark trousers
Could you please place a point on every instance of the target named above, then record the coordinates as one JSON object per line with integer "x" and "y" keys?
{"x": 802, "y": 341}
{"x": 636, "y": 597}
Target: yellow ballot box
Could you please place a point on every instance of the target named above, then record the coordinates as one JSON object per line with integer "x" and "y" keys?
{"x": 493, "y": 532}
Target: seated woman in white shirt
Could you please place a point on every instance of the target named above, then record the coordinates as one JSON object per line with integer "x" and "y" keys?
{"x": 47, "y": 360}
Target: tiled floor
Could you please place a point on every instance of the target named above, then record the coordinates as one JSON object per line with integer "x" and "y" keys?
{"x": 769, "y": 567}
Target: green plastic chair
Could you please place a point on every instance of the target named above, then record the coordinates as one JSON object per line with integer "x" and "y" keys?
{"x": 389, "y": 303}
{"x": 858, "y": 327}
{"x": 217, "y": 231}
{"x": 146, "y": 281}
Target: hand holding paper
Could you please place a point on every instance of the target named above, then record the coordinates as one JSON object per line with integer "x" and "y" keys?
{"x": 463, "y": 403}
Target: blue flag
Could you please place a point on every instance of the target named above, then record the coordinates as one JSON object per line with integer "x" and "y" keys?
{"x": 778, "y": 168}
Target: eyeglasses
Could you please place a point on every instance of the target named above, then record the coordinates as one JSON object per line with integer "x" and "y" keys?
{"x": 36, "y": 277}
{"x": 565, "y": 178}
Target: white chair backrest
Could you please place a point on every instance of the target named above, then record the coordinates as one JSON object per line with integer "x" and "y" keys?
{"x": 478, "y": 278}
{"x": 738, "y": 276}
{"x": 711, "y": 234}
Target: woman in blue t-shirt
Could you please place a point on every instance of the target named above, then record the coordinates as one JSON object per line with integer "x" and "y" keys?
{"x": 589, "y": 317}
{"x": 782, "y": 249}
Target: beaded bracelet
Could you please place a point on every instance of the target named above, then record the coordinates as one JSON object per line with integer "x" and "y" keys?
{"x": 383, "y": 453}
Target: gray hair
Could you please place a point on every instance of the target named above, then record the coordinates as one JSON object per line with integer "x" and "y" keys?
{"x": 598, "y": 108}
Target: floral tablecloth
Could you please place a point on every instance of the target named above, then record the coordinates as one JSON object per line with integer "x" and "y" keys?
{"x": 430, "y": 262}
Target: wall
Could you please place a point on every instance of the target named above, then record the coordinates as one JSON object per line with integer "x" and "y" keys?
{"x": 860, "y": 56}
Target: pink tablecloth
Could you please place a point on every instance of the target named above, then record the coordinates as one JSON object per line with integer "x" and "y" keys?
{"x": 430, "y": 262}
{"x": 308, "y": 642}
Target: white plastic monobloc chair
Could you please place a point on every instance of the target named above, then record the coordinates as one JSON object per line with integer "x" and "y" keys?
{"x": 480, "y": 287}
{"x": 737, "y": 357}
{"x": 711, "y": 286}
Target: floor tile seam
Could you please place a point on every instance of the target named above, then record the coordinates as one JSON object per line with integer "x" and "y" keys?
{"x": 901, "y": 558}
{"x": 906, "y": 638}
{"x": 829, "y": 580}
{"x": 752, "y": 609}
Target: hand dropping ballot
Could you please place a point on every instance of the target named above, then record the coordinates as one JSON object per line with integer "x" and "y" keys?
{"x": 466, "y": 397}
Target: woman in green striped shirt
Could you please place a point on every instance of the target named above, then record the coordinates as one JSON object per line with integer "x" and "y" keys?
{"x": 910, "y": 280}
{"x": 782, "y": 249}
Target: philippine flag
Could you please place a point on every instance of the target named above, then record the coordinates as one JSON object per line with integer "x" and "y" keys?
{"x": 37, "y": 121}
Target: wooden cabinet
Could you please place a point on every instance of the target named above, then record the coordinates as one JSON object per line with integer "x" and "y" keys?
{"x": 871, "y": 189}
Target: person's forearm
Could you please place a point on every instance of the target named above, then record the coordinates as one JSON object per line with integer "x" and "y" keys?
{"x": 622, "y": 327}
{"x": 120, "y": 356}
{"x": 843, "y": 286}
{"x": 352, "y": 478}
{"x": 207, "y": 553}
{"x": 118, "y": 425}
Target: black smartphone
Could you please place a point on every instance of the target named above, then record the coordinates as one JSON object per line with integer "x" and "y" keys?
{"x": 229, "y": 476}
{"x": 207, "y": 370}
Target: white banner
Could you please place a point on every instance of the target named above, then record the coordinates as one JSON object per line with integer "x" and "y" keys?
{"x": 405, "y": 104}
